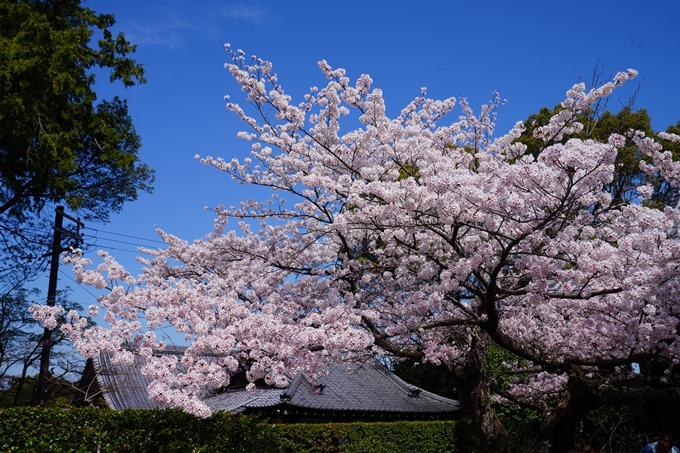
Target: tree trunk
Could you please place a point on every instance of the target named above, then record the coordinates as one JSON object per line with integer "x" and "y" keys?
{"x": 560, "y": 425}
{"x": 475, "y": 392}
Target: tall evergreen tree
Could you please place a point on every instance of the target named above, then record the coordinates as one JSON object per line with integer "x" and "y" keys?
{"x": 58, "y": 143}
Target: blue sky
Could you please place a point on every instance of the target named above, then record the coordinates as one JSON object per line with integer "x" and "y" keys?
{"x": 530, "y": 51}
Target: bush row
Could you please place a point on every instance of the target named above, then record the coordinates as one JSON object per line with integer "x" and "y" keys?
{"x": 89, "y": 430}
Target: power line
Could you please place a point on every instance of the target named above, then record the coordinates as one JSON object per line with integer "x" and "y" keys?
{"x": 114, "y": 240}
{"x": 110, "y": 248}
{"x": 125, "y": 235}
{"x": 95, "y": 239}
{"x": 79, "y": 284}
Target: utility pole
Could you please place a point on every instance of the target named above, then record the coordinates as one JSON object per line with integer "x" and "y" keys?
{"x": 46, "y": 340}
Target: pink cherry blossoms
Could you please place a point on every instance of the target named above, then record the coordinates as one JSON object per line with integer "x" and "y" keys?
{"x": 397, "y": 238}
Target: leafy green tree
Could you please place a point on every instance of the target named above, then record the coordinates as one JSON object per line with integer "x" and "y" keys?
{"x": 599, "y": 126}
{"x": 58, "y": 144}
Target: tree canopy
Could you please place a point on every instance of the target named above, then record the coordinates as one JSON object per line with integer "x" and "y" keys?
{"x": 58, "y": 143}
{"x": 600, "y": 125}
{"x": 412, "y": 237}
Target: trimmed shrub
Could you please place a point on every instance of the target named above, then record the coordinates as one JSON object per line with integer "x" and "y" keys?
{"x": 89, "y": 430}
{"x": 392, "y": 437}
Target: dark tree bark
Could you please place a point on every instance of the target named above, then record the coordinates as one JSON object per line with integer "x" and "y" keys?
{"x": 559, "y": 427}
{"x": 476, "y": 394}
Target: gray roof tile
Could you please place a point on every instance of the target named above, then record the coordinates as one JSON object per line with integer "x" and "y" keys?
{"x": 368, "y": 387}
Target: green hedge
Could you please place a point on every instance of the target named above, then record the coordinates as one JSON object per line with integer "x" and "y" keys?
{"x": 393, "y": 437}
{"x": 38, "y": 430}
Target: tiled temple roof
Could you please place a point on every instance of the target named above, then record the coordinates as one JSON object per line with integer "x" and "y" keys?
{"x": 365, "y": 388}
{"x": 347, "y": 387}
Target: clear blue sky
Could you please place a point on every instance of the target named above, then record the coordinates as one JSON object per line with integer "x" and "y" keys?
{"x": 530, "y": 51}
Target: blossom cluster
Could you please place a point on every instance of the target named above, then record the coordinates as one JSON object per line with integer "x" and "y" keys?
{"x": 397, "y": 238}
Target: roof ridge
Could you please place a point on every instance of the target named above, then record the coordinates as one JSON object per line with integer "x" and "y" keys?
{"x": 409, "y": 389}
{"x": 289, "y": 392}
{"x": 438, "y": 397}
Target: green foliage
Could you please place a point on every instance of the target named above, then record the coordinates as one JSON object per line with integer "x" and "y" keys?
{"x": 408, "y": 171}
{"x": 56, "y": 144}
{"x": 38, "y": 430}
{"x": 522, "y": 423}
{"x": 21, "y": 391}
{"x": 599, "y": 126}
{"x": 412, "y": 437}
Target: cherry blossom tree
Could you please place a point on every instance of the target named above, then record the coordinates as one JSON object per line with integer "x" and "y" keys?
{"x": 415, "y": 236}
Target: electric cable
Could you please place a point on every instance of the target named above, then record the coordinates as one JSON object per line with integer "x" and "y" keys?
{"x": 84, "y": 288}
{"x": 124, "y": 235}
{"x": 99, "y": 246}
